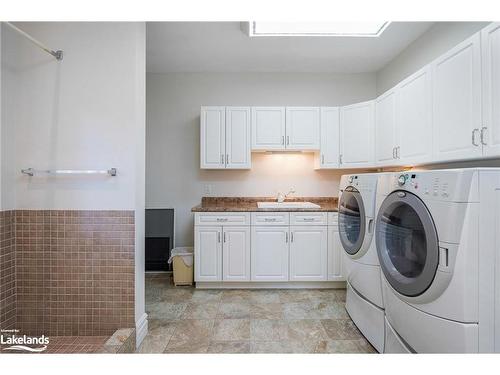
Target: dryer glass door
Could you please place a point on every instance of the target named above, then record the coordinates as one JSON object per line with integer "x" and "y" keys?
{"x": 352, "y": 221}
{"x": 407, "y": 243}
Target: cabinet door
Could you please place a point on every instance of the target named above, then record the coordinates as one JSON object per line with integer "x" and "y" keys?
{"x": 208, "y": 253}
{"x": 491, "y": 86}
{"x": 385, "y": 129}
{"x": 308, "y": 253}
{"x": 414, "y": 118}
{"x": 268, "y": 128}
{"x": 456, "y": 110}
{"x": 357, "y": 135}
{"x": 212, "y": 137}
{"x": 335, "y": 256}
{"x": 302, "y": 128}
{"x": 238, "y": 133}
{"x": 329, "y": 138}
{"x": 269, "y": 254}
{"x": 236, "y": 254}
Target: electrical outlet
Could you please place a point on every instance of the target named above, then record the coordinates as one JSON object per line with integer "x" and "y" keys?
{"x": 207, "y": 189}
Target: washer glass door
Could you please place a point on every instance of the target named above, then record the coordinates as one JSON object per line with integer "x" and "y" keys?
{"x": 407, "y": 243}
{"x": 352, "y": 220}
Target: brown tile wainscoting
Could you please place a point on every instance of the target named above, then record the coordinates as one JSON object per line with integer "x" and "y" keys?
{"x": 74, "y": 271}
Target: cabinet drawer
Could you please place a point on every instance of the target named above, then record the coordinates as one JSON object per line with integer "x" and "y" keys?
{"x": 222, "y": 218}
{"x": 308, "y": 218}
{"x": 270, "y": 218}
{"x": 333, "y": 218}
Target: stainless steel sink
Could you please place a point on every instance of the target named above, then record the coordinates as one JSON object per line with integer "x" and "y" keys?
{"x": 278, "y": 205}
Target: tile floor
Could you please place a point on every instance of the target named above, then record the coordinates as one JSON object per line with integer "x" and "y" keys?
{"x": 187, "y": 320}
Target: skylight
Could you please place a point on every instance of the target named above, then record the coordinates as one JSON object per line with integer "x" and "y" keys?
{"x": 351, "y": 29}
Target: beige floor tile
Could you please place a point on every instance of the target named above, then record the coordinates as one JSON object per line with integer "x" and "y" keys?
{"x": 294, "y": 295}
{"x": 191, "y": 336}
{"x": 235, "y": 310}
{"x": 278, "y": 347}
{"x": 231, "y": 330}
{"x": 341, "y": 346}
{"x": 153, "y": 344}
{"x": 302, "y": 330}
{"x": 161, "y": 327}
{"x": 236, "y": 296}
{"x": 264, "y": 296}
{"x": 206, "y": 295}
{"x": 165, "y": 310}
{"x": 229, "y": 347}
{"x": 201, "y": 310}
{"x": 265, "y": 330}
{"x": 341, "y": 329}
{"x": 266, "y": 311}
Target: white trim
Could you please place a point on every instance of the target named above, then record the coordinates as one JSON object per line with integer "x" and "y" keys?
{"x": 141, "y": 329}
{"x": 272, "y": 285}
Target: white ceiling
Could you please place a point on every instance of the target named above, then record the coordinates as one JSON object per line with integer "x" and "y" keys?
{"x": 224, "y": 47}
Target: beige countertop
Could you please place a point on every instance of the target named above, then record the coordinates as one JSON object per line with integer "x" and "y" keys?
{"x": 249, "y": 204}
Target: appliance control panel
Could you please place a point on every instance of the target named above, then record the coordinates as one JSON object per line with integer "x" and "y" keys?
{"x": 451, "y": 185}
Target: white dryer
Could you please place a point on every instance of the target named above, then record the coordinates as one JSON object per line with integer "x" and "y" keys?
{"x": 436, "y": 242}
{"x": 356, "y": 218}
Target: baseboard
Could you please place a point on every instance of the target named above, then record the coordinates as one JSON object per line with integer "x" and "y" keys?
{"x": 141, "y": 329}
{"x": 273, "y": 285}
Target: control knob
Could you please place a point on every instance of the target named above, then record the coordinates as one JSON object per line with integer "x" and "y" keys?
{"x": 401, "y": 180}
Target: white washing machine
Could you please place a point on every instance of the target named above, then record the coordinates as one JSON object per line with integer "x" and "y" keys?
{"x": 364, "y": 302}
{"x": 437, "y": 238}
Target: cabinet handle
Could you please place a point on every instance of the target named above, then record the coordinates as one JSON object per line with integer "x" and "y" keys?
{"x": 222, "y": 219}
{"x": 286, "y": 237}
{"x": 308, "y": 219}
{"x": 483, "y": 129}
{"x": 283, "y": 140}
{"x": 398, "y": 152}
{"x": 340, "y": 159}
{"x": 222, "y": 159}
{"x": 287, "y": 139}
{"x": 394, "y": 152}
{"x": 291, "y": 236}
{"x": 224, "y": 236}
{"x": 218, "y": 237}
{"x": 474, "y": 137}
{"x": 322, "y": 159}
{"x": 227, "y": 159}
{"x": 270, "y": 219}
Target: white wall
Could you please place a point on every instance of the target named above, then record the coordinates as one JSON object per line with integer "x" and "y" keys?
{"x": 173, "y": 175}
{"x": 85, "y": 112}
{"x": 438, "y": 39}
{"x": 80, "y": 113}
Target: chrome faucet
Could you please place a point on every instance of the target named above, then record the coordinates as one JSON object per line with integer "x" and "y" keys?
{"x": 281, "y": 197}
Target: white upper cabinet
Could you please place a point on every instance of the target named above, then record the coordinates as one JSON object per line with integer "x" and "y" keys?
{"x": 490, "y": 131}
{"x": 268, "y": 128}
{"x": 302, "y": 128}
{"x": 357, "y": 135}
{"x": 385, "y": 129}
{"x": 225, "y": 137}
{"x": 213, "y": 137}
{"x": 238, "y": 132}
{"x": 457, "y": 102}
{"x": 414, "y": 136}
{"x": 328, "y": 156}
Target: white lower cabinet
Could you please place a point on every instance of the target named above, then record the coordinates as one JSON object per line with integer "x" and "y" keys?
{"x": 335, "y": 255}
{"x": 236, "y": 254}
{"x": 269, "y": 253}
{"x": 308, "y": 253}
{"x": 267, "y": 247}
{"x": 208, "y": 253}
